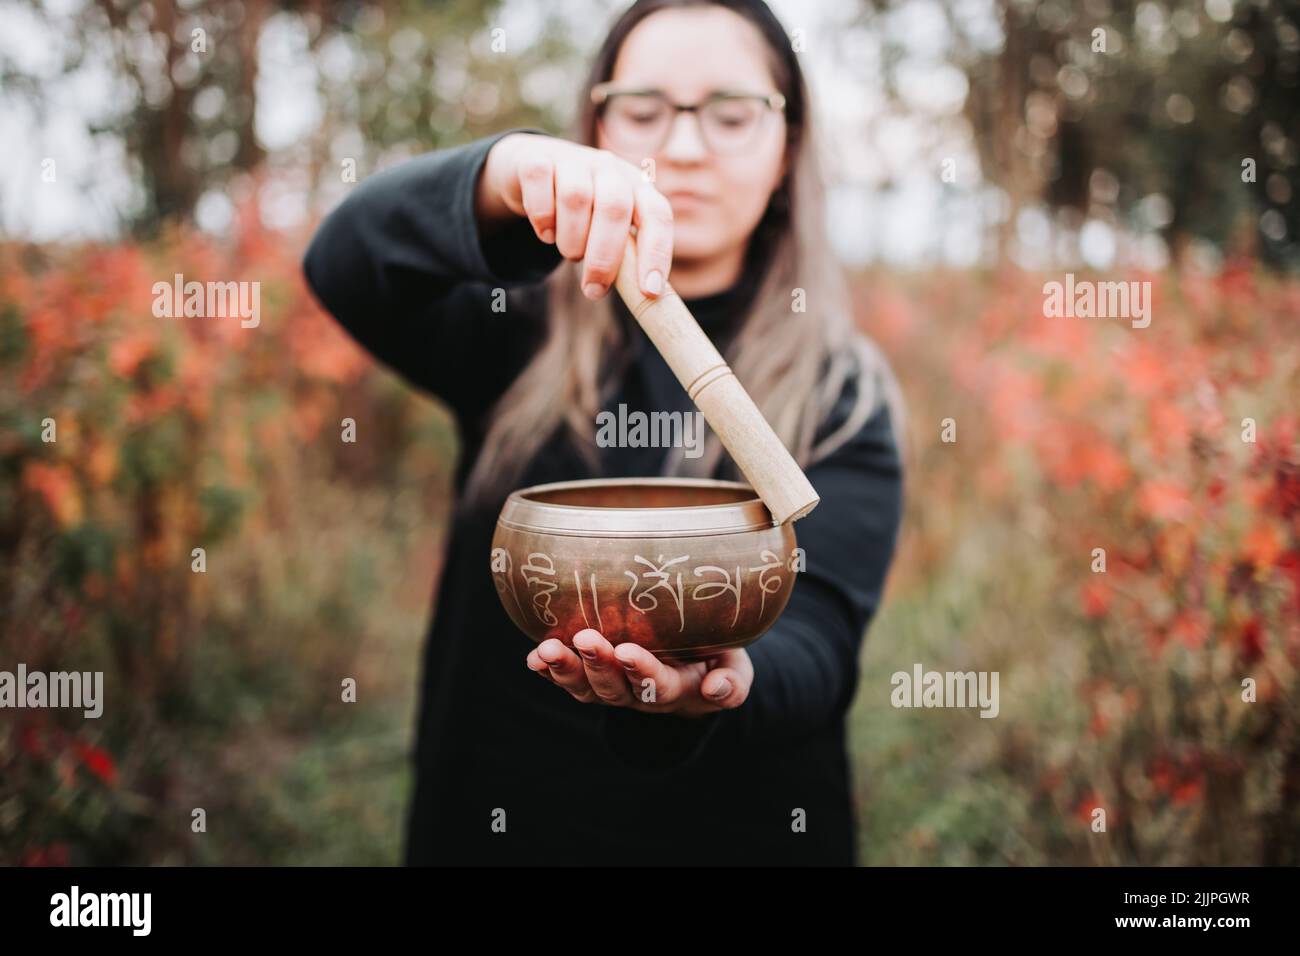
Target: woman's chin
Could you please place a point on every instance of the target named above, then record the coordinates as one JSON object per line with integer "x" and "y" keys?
{"x": 692, "y": 243}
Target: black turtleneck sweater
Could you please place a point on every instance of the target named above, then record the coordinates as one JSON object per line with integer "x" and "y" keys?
{"x": 401, "y": 263}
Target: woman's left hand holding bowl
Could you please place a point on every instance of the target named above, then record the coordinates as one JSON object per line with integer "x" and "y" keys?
{"x": 594, "y": 671}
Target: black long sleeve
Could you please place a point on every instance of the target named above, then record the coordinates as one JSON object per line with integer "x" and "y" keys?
{"x": 402, "y": 265}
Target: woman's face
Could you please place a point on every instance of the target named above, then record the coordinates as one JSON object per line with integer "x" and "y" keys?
{"x": 687, "y": 54}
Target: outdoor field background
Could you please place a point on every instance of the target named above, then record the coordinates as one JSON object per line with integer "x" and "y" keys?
{"x": 1120, "y": 690}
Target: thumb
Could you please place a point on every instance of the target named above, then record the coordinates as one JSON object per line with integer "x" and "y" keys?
{"x": 726, "y": 687}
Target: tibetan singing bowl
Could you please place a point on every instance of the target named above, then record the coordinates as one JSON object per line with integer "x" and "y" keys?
{"x": 684, "y": 567}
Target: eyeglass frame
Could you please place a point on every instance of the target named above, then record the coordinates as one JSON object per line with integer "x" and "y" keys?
{"x": 601, "y": 92}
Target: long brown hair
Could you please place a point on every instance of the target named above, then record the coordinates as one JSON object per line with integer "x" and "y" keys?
{"x": 794, "y": 364}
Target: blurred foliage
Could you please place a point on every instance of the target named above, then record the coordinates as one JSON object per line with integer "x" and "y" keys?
{"x": 1123, "y": 689}
{"x": 1120, "y": 690}
{"x": 1133, "y": 113}
{"x": 1136, "y": 113}
{"x": 222, "y": 688}
{"x": 392, "y": 78}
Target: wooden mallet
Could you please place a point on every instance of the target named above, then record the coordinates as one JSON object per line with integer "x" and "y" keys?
{"x": 713, "y": 387}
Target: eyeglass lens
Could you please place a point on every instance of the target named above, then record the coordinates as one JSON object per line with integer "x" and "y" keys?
{"x": 640, "y": 121}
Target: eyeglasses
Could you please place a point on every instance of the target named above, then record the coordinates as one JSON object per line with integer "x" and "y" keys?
{"x": 640, "y": 121}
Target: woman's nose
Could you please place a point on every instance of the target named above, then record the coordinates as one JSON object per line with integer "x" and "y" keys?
{"x": 685, "y": 139}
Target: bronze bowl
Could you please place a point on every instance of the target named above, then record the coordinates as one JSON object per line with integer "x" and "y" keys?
{"x": 684, "y": 567}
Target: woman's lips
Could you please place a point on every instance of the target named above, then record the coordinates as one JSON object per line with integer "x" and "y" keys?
{"x": 686, "y": 200}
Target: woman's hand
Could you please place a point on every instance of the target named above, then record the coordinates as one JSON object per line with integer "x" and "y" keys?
{"x": 630, "y": 676}
{"x": 585, "y": 201}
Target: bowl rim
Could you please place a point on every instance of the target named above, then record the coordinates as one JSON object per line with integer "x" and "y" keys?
{"x": 524, "y": 513}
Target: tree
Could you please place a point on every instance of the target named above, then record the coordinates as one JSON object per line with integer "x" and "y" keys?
{"x": 1137, "y": 113}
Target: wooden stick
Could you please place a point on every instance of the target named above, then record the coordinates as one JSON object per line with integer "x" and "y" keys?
{"x": 713, "y": 387}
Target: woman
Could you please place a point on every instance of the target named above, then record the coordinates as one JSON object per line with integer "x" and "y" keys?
{"x": 451, "y": 268}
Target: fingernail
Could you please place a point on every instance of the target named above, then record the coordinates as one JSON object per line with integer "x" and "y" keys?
{"x": 629, "y": 665}
{"x": 548, "y": 235}
{"x": 587, "y": 654}
{"x": 654, "y": 282}
{"x": 593, "y": 290}
{"x": 723, "y": 690}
